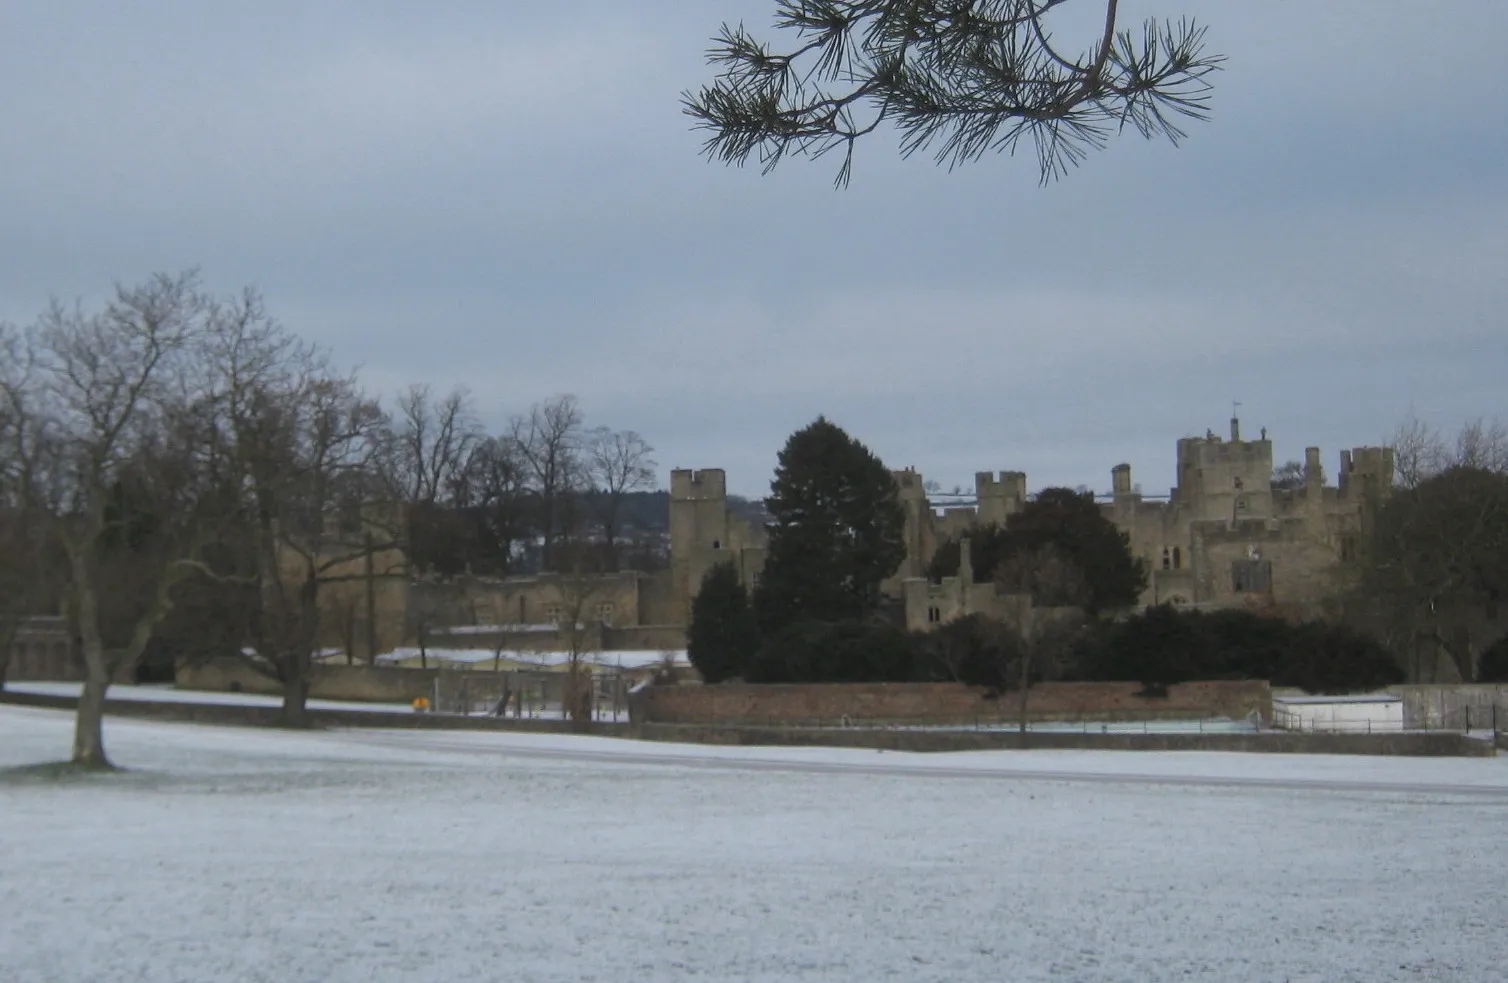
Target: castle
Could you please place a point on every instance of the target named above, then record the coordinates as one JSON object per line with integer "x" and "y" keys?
{"x": 1223, "y": 537}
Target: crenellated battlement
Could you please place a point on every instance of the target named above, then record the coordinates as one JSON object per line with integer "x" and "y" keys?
{"x": 686, "y": 484}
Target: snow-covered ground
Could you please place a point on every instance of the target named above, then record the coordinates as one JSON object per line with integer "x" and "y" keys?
{"x": 370, "y": 855}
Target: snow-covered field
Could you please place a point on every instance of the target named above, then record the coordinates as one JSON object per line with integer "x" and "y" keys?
{"x": 246, "y": 855}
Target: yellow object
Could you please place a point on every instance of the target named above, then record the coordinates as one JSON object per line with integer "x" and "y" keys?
{"x": 421, "y": 704}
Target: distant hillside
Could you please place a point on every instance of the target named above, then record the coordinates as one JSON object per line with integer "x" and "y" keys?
{"x": 649, "y": 512}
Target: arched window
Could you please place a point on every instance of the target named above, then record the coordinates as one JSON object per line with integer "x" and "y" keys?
{"x": 1177, "y": 558}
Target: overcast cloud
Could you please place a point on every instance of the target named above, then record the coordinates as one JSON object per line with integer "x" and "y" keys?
{"x": 508, "y": 197}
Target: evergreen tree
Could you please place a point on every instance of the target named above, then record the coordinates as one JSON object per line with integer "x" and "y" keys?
{"x": 723, "y": 636}
{"x": 836, "y": 530}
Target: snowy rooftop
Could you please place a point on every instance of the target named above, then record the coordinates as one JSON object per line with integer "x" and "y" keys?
{"x": 1353, "y": 698}
{"x": 625, "y": 658}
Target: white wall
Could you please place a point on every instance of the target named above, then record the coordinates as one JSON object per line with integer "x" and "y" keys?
{"x": 1341, "y": 716}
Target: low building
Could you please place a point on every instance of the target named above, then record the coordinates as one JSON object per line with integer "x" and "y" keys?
{"x": 43, "y": 650}
{"x": 1370, "y": 713}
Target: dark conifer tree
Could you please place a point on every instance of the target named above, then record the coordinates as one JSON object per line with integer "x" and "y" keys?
{"x": 723, "y": 636}
{"x": 836, "y": 531}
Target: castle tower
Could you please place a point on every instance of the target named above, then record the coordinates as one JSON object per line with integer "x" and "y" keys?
{"x": 1314, "y": 472}
{"x": 699, "y": 530}
{"x": 1230, "y": 480}
{"x": 911, "y": 490}
{"x": 999, "y": 495}
{"x": 1366, "y": 472}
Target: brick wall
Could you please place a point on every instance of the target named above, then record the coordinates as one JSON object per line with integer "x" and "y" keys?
{"x": 943, "y": 703}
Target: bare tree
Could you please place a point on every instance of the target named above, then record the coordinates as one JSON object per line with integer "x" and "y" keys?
{"x": 1037, "y": 579}
{"x": 1482, "y": 444}
{"x": 1418, "y": 452}
{"x": 127, "y": 410}
{"x": 492, "y": 491}
{"x": 618, "y": 462}
{"x": 966, "y": 77}
{"x": 581, "y": 591}
{"x": 432, "y": 444}
{"x": 309, "y": 450}
{"x": 28, "y": 568}
{"x": 1421, "y": 452}
{"x": 548, "y": 441}
{"x": 434, "y": 437}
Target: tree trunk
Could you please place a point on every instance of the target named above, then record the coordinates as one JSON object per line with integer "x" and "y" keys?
{"x": 1025, "y": 683}
{"x": 295, "y": 709}
{"x": 88, "y": 728}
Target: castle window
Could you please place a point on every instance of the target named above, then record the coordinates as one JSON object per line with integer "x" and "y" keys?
{"x": 1167, "y": 559}
{"x": 934, "y": 615}
{"x": 1251, "y": 576}
{"x": 552, "y": 614}
{"x": 1238, "y": 484}
{"x": 717, "y": 544}
{"x": 1177, "y": 558}
{"x": 1241, "y": 504}
{"x": 605, "y": 612}
{"x": 1347, "y": 549}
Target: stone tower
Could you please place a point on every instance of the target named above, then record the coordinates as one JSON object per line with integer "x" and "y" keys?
{"x": 1366, "y": 472}
{"x": 999, "y": 495}
{"x": 705, "y": 532}
{"x": 1229, "y": 480}
{"x": 912, "y": 492}
{"x": 698, "y": 529}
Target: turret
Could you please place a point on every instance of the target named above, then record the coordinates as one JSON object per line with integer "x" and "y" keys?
{"x": 1120, "y": 479}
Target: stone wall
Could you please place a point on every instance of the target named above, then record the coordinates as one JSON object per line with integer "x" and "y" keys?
{"x": 1454, "y": 706}
{"x": 1267, "y": 742}
{"x": 374, "y": 684}
{"x": 734, "y": 704}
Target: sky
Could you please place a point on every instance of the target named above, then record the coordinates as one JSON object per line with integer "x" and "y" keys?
{"x": 509, "y": 198}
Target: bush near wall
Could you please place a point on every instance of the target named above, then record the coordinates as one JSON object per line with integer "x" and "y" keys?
{"x": 1163, "y": 645}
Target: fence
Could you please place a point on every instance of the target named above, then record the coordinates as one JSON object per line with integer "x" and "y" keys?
{"x": 527, "y": 694}
{"x": 1461, "y": 720}
{"x": 996, "y": 725}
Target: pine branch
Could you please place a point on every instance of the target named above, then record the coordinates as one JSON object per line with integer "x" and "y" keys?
{"x": 961, "y": 78}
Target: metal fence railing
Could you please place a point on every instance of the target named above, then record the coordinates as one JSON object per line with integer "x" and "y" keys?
{"x": 1462, "y": 720}
{"x": 527, "y": 694}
